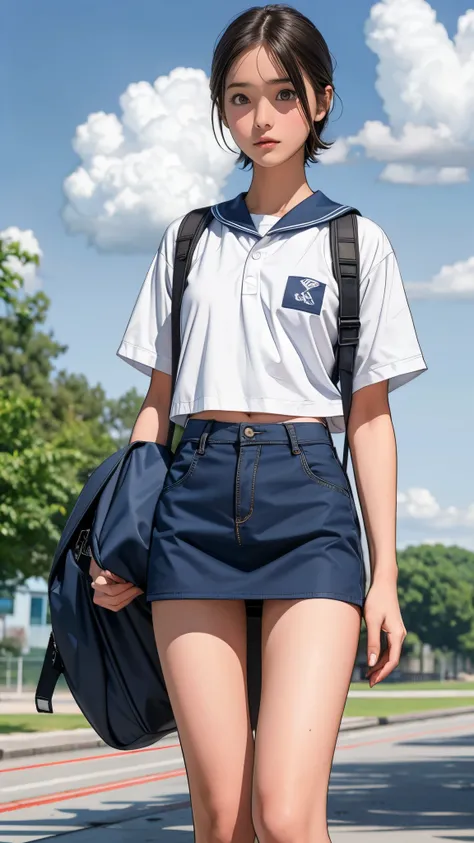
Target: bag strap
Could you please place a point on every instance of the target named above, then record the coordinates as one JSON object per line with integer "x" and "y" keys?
{"x": 346, "y": 268}
{"x": 189, "y": 232}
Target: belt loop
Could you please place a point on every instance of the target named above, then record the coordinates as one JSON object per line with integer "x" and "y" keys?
{"x": 204, "y": 437}
{"x": 293, "y": 438}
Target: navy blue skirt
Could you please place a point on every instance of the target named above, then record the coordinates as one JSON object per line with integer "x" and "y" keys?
{"x": 256, "y": 511}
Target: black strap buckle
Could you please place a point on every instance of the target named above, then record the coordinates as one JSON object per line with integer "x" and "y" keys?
{"x": 82, "y": 548}
{"x": 351, "y": 324}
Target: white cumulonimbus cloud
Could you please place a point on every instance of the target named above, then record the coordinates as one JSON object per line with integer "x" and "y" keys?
{"x": 453, "y": 282}
{"x": 29, "y": 243}
{"x": 426, "y": 82}
{"x": 420, "y": 505}
{"x": 149, "y": 166}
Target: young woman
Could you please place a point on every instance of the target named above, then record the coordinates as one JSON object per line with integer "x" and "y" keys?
{"x": 256, "y": 505}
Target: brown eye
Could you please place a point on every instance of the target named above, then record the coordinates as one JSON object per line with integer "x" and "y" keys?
{"x": 232, "y": 99}
{"x": 287, "y": 91}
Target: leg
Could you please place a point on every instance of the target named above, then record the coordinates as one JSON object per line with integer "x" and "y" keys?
{"x": 202, "y": 649}
{"x": 308, "y": 651}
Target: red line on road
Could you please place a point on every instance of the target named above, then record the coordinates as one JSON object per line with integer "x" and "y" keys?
{"x": 18, "y": 805}
{"x": 62, "y": 796}
{"x": 122, "y": 753}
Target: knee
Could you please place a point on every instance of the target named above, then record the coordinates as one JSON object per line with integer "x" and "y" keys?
{"x": 226, "y": 823}
{"x": 274, "y": 822}
{"x": 221, "y": 829}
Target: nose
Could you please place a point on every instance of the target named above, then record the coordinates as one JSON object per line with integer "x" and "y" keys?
{"x": 263, "y": 114}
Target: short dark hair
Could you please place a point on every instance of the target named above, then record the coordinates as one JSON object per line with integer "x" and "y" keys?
{"x": 294, "y": 42}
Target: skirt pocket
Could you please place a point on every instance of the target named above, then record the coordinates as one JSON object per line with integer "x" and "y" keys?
{"x": 322, "y": 466}
{"x": 183, "y": 466}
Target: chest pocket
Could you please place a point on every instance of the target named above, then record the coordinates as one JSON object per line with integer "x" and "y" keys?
{"x": 302, "y": 293}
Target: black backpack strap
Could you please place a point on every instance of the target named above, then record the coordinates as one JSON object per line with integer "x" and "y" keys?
{"x": 346, "y": 268}
{"x": 51, "y": 670}
{"x": 189, "y": 232}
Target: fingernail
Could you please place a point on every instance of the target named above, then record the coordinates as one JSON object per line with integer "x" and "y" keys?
{"x": 372, "y": 659}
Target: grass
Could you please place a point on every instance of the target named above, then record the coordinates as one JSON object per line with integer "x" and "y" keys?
{"x": 22, "y": 723}
{"x": 40, "y": 722}
{"x": 384, "y": 707}
{"x": 415, "y": 686}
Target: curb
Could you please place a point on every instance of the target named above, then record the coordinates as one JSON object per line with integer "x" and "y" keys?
{"x": 42, "y": 743}
{"x": 45, "y": 743}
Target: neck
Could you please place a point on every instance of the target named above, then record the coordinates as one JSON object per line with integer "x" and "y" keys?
{"x": 276, "y": 190}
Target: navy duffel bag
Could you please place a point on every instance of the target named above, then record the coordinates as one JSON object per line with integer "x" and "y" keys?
{"x": 109, "y": 659}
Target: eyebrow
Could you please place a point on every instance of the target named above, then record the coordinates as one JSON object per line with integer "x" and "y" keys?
{"x": 249, "y": 84}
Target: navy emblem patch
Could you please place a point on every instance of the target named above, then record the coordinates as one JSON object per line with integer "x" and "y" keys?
{"x": 303, "y": 293}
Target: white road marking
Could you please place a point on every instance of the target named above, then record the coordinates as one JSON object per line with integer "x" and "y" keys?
{"x": 89, "y": 776}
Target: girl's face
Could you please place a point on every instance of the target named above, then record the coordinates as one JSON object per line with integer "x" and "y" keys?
{"x": 256, "y": 106}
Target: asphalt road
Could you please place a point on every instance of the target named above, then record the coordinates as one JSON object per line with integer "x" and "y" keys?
{"x": 391, "y": 784}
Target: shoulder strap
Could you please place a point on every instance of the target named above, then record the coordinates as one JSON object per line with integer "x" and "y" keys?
{"x": 189, "y": 232}
{"x": 346, "y": 268}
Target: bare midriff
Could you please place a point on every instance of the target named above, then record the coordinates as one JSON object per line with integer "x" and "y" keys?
{"x": 257, "y": 418}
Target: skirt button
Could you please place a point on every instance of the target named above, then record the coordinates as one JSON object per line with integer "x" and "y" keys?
{"x": 249, "y": 432}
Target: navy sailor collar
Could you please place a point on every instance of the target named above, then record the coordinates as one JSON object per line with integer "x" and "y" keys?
{"x": 313, "y": 210}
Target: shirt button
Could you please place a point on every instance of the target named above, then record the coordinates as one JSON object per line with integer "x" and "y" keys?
{"x": 256, "y": 255}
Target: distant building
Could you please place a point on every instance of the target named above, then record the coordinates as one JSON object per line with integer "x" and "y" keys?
{"x": 30, "y": 619}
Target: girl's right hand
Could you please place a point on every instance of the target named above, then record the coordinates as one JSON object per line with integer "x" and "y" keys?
{"x": 111, "y": 591}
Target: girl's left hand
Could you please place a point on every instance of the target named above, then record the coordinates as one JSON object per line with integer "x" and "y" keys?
{"x": 382, "y": 612}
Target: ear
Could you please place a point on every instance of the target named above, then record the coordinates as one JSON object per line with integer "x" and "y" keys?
{"x": 324, "y": 104}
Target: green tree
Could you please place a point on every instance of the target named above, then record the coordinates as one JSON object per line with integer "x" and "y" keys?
{"x": 54, "y": 427}
{"x": 121, "y": 414}
{"x": 437, "y": 595}
{"x": 27, "y": 354}
{"x": 38, "y": 481}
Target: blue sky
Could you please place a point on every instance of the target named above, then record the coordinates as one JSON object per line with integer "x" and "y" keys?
{"x": 60, "y": 63}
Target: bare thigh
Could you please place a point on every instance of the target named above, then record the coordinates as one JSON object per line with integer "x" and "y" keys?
{"x": 202, "y": 645}
{"x": 308, "y": 652}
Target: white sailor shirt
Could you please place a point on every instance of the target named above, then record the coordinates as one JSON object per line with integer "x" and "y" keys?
{"x": 259, "y": 315}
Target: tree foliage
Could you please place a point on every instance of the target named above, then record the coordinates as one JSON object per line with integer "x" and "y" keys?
{"x": 55, "y": 428}
{"x": 436, "y": 587}
{"x": 38, "y": 481}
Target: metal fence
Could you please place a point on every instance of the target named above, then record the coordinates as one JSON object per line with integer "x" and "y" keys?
{"x": 19, "y": 673}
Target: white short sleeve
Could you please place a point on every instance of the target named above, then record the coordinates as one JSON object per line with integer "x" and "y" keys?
{"x": 146, "y": 343}
{"x": 388, "y": 346}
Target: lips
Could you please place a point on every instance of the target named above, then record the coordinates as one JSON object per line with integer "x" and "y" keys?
{"x": 266, "y": 140}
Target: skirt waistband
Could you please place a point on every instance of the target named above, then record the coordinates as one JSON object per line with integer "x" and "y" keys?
{"x": 247, "y": 433}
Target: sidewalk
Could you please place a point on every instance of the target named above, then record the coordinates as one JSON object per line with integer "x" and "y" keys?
{"x": 38, "y": 743}
{"x": 63, "y": 702}
{"x": 13, "y": 703}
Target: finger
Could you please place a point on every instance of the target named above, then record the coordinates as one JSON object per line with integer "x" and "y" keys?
{"x": 93, "y": 568}
{"x": 116, "y": 597}
{"x": 101, "y": 583}
{"x": 392, "y": 655}
{"x": 102, "y": 580}
{"x": 115, "y": 604}
{"x": 114, "y": 577}
{"x": 395, "y": 644}
{"x": 113, "y": 607}
{"x": 112, "y": 589}
{"x": 375, "y": 671}
{"x": 384, "y": 672}
{"x": 373, "y": 642}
